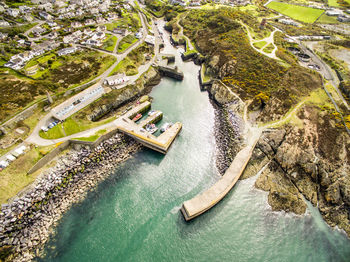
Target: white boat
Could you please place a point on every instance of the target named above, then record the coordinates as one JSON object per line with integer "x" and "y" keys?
{"x": 165, "y": 127}
{"x": 151, "y": 128}
{"x": 152, "y": 112}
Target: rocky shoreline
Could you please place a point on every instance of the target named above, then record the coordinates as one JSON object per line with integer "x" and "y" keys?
{"x": 28, "y": 221}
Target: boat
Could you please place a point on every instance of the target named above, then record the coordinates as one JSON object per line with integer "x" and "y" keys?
{"x": 152, "y": 112}
{"x": 165, "y": 127}
{"x": 137, "y": 117}
{"x": 151, "y": 128}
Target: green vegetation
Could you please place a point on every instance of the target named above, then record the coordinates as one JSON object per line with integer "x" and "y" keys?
{"x": 268, "y": 49}
{"x": 110, "y": 43}
{"x": 134, "y": 59}
{"x": 16, "y": 30}
{"x": 129, "y": 21}
{"x": 325, "y": 19}
{"x": 220, "y": 37}
{"x": 260, "y": 44}
{"x": 14, "y": 178}
{"x": 333, "y": 3}
{"x": 300, "y": 13}
{"x": 92, "y": 138}
{"x": 126, "y": 42}
{"x": 70, "y": 126}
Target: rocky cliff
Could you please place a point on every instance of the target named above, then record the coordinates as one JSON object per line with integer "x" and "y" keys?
{"x": 311, "y": 162}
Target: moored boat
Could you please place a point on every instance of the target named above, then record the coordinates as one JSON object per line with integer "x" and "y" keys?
{"x": 137, "y": 117}
{"x": 151, "y": 128}
{"x": 165, "y": 127}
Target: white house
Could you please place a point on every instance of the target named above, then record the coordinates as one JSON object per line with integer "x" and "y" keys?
{"x": 13, "y": 12}
{"x": 116, "y": 80}
{"x": 66, "y": 51}
{"x": 150, "y": 39}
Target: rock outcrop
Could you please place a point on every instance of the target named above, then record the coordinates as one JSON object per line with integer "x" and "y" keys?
{"x": 311, "y": 162}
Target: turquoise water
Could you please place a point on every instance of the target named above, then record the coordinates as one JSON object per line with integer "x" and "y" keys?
{"x": 134, "y": 215}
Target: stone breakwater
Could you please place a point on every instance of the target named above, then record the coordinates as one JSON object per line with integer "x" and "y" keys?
{"x": 26, "y": 223}
{"x": 227, "y": 131}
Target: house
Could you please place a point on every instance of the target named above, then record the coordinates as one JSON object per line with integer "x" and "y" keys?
{"x": 94, "y": 11}
{"x": 98, "y": 35}
{"x": 288, "y": 22}
{"x": 37, "y": 51}
{"x": 116, "y": 80}
{"x": 195, "y": 3}
{"x": 89, "y": 22}
{"x": 100, "y": 20}
{"x": 343, "y": 18}
{"x": 76, "y": 24}
{"x": 88, "y": 31}
{"x": 4, "y": 23}
{"x": 67, "y": 39}
{"x": 112, "y": 16}
{"x": 139, "y": 35}
{"x": 101, "y": 28}
{"x": 12, "y": 12}
{"x": 150, "y": 39}
{"x": 179, "y": 2}
{"x": 3, "y": 36}
{"x": 28, "y": 43}
{"x": 47, "y": 7}
{"x": 38, "y": 31}
{"x": 120, "y": 31}
{"x": 51, "y": 23}
{"x": 334, "y": 12}
{"x": 21, "y": 41}
{"x": 79, "y": 12}
{"x": 66, "y": 51}
{"x": 93, "y": 42}
{"x": 45, "y": 15}
{"x": 52, "y": 35}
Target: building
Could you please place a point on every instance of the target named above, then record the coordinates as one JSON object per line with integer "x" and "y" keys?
{"x": 66, "y": 51}
{"x": 120, "y": 31}
{"x": 45, "y": 15}
{"x": 343, "y": 18}
{"x": 150, "y": 39}
{"x": 12, "y": 12}
{"x": 4, "y": 23}
{"x": 116, "y": 80}
{"x": 139, "y": 35}
{"x": 89, "y": 22}
{"x": 101, "y": 28}
{"x": 76, "y": 24}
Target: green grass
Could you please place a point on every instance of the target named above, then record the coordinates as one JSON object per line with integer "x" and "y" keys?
{"x": 110, "y": 43}
{"x": 125, "y": 66}
{"x": 72, "y": 126}
{"x": 92, "y": 138}
{"x": 129, "y": 20}
{"x": 333, "y": 3}
{"x": 300, "y": 13}
{"x": 126, "y": 42}
{"x": 14, "y": 178}
{"x": 205, "y": 77}
{"x": 325, "y": 19}
{"x": 268, "y": 49}
{"x": 260, "y": 44}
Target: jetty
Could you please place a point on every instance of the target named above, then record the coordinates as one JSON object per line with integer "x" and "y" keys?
{"x": 171, "y": 71}
{"x": 206, "y": 200}
{"x": 161, "y": 143}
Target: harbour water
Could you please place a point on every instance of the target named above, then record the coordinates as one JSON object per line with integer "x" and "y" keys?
{"x": 134, "y": 215}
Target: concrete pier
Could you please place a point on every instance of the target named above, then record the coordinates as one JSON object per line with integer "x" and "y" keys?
{"x": 161, "y": 144}
{"x": 206, "y": 200}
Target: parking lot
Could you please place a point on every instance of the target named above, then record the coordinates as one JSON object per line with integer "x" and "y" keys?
{"x": 77, "y": 102}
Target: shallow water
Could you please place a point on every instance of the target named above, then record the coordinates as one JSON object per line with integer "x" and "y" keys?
{"x": 134, "y": 215}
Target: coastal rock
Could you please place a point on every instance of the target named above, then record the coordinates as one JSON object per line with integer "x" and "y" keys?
{"x": 311, "y": 160}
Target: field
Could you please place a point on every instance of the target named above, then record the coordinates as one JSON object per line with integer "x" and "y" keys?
{"x": 109, "y": 43}
{"x": 14, "y": 178}
{"x": 325, "y": 19}
{"x": 131, "y": 22}
{"x": 70, "y": 126}
{"x": 300, "y": 13}
{"x": 126, "y": 42}
{"x": 260, "y": 44}
{"x": 333, "y": 3}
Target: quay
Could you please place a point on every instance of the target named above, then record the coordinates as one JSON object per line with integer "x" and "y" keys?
{"x": 206, "y": 200}
{"x": 161, "y": 143}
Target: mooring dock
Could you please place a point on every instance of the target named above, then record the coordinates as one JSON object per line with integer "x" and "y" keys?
{"x": 206, "y": 200}
{"x": 136, "y": 131}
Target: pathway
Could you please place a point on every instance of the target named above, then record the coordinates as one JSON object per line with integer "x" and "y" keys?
{"x": 268, "y": 40}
